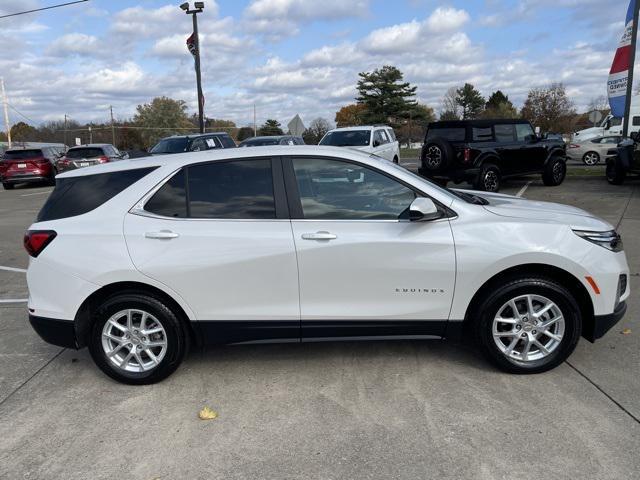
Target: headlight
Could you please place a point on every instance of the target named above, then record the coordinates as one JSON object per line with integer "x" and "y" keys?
{"x": 609, "y": 240}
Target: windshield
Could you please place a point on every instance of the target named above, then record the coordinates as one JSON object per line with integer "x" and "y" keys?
{"x": 170, "y": 145}
{"x": 22, "y": 154}
{"x": 347, "y": 138}
{"x": 84, "y": 153}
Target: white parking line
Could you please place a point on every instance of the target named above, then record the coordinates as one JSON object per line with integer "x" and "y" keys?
{"x": 37, "y": 193}
{"x": 14, "y": 300}
{"x": 13, "y": 269}
{"x": 523, "y": 189}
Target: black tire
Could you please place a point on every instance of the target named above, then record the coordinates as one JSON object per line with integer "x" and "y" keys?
{"x": 591, "y": 158}
{"x": 395, "y": 160}
{"x": 614, "y": 172}
{"x": 530, "y": 285}
{"x": 489, "y": 178}
{"x": 176, "y": 338}
{"x": 52, "y": 180}
{"x": 8, "y": 186}
{"x": 437, "y": 155}
{"x": 555, "y": 172}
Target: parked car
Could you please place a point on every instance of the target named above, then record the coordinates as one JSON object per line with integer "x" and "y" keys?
{"x": 193, "y": 143}
{"x": 594, "y": 150}
{"x": 89, "y": 155}
{"x": 310, "y": 243}
{"x": 378, "y": 140}
{"x": 624, "y": 160}
{"x": 270, "y": 141}
{"x": 29, "y": 165}
{"x": 484, "y": 152}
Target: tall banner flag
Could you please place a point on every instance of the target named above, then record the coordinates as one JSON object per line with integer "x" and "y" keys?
{"x": 619, "y": 74}
{"x": 191, "y": 43}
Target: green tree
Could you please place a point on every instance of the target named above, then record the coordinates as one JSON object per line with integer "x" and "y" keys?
{"x": 386, "y": 97}
{"x": 23, "y": 132}
{"x": 271, "y": 127}
{"x": 244, "y": 133}
{"x": 317, "y": 129}
{"x": 414, "y": 126}
{"x": 350, "y": 115}
{"x": 549, "y": 108}
{"x": 470, "y": 100}
{"x": 499, "y": 106}
{"x": 163, "y": 116}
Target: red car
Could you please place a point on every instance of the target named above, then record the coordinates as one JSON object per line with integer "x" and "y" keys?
{"x": 28, "y": 165}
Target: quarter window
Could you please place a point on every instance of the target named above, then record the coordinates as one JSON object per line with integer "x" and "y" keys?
{"x": 336, "y": 190}
{"x": 171, "y": 199}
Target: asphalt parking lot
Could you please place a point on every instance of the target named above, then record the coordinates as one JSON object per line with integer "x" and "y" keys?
{"x": 329, "y": 410}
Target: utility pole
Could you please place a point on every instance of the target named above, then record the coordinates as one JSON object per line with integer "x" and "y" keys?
{"x": 65, "y": 130}
{"x": 632, "y": 59}
{"x": 255, "y": 125}
{"x": 113, "y": 128}
{"x": 90, "y": 135}
{"x": 6, "y": 112}
{"x": 199, "y": 6}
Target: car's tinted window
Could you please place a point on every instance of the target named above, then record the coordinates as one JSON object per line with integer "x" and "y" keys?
{"x": 336, "y": 190}
{"x": 170, "y": 145}
{"x": 22, "y": 154}
{"x": 227, "y": 141}
{"x": 198, "y": 144}
{"x": 615, "y": 122}
{"x": 522, "y": 130}
{"x": 347, "y": 138}
{"x": 85, "y": 153}
{"x": 78, "y": 195}
{"x": 453, "y": 134}
{"x": 504, "y": 133}
{"x": 380, "y": 136}
{"x": 611, "y": 140}
{"x": 482, "y": 134}
{"x": 298, "y": 141}
{"x": 171, "y": 199}
{"x": 635, "y": 121}
{"x": 239, "y": 189}
{"x": 260, "y": 142}
{"x": 392, "y": 134}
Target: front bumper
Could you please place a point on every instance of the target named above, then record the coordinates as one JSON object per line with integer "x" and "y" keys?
{"x": 56, "y": 332}
{"x": 603, "y": 323}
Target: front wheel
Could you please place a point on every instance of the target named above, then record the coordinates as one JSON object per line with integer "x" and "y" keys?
{"x": 8, "y": 186}
{"x": 137, "y": 339}
{"x": 529, "y": 325}
{"x": 591, "y": 158}
{"x": 554, "y": 172}
{"x": 488, "y": 179}
{"x": 395, "y": 160}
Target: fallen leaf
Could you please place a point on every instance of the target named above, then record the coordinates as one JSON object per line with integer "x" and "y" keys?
{"x": 626, "y": 331}
{"x": 207, "y": 414}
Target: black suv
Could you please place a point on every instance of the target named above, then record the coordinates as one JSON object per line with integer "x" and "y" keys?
{"x": 193, "y": 143}
{"x": 483, "y": 152}
{"x": 624, "y": 160}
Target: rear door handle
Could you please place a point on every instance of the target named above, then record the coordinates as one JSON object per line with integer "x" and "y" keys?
{"x": 162, "y": 235}
{"x": 319, "y": 236}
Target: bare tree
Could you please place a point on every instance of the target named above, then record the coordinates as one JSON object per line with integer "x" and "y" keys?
{"x": 450, "y": 107}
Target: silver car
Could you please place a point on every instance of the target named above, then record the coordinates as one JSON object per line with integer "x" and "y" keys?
{"x": 89, "y": 155}
{"x": 592, "y": 151}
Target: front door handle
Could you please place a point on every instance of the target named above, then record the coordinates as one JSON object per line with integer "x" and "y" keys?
{"x": 319, "y": 236}
{"x": 161, "y": 235}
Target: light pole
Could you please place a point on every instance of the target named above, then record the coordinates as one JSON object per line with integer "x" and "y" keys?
{"x": 198, "y": 7}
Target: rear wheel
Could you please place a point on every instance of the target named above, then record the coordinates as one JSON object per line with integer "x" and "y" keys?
{"x": 488, "y": 179}
{"x": 554, "y": 172}
{"x": 8, "y": 186}
{"x": 529, "y": 325}
{"x": 615, "y": 173}
{"x": 137, "y": 339}
{"x": 591, "y": 158}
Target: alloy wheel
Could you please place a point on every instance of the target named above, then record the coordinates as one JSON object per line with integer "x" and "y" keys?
{"x": 591, "y": 158}
{"x": 528, "y": 328}
{"x": 558, "y": 171}
{"x": 491, "y": 181}
{"x": 134, "y": 340}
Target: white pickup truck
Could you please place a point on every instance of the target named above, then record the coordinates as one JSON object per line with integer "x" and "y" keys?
{"x": 609, "y": 126}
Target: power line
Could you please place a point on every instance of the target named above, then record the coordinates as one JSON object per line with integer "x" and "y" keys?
{"x": 44, "y": 8}
{"x": 21, "y": 114}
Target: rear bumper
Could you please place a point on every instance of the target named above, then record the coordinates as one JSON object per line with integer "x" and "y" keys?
{"x": 603, "y": 323}
{"x": 25, "y": 178}
{"x": 56, "y": 332}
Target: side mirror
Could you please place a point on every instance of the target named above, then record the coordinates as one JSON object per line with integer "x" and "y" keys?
{"x": 423, "y": 209}
{"x": 376, "y": 143}
{"x": 530, "y": 138}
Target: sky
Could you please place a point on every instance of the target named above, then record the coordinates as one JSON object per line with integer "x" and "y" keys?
{"x": 295, "y": 56}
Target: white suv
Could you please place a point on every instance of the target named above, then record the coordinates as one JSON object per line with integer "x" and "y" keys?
{"x": 139, "y": 258}
{"x": 378, "y": 140}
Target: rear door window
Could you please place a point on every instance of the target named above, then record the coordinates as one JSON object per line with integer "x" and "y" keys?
{"x": 79, "y": 195}
{"x": 227, "y": 141}
{"x": 171, "y": 199}
{"x": 504, "y": 133}
{"x": 482, "y": 134}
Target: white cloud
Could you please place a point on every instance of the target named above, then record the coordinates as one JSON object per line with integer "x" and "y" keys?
{"x": 74, "y": 43}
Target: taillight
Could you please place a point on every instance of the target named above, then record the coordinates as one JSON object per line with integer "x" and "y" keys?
{"x": 35, "y": 241}
{"x": 467, "y": 155}
{"x": 64, "y": 161}
{"x": 103, "y": 159}
{"x": 573, "y": 145}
